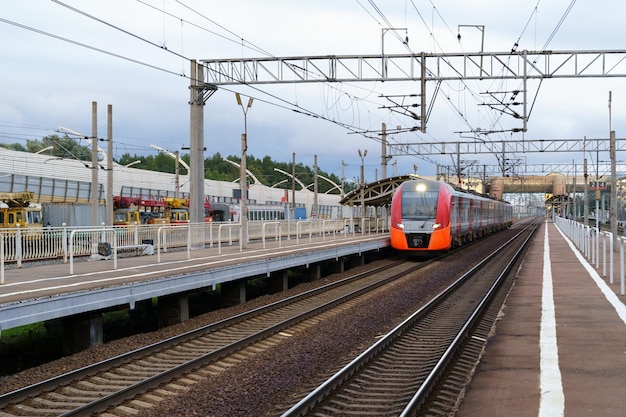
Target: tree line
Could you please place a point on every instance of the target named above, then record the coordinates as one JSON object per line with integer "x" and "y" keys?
{"x": 215, "y": 167}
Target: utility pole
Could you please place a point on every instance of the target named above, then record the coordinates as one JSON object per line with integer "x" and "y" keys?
{"x": 613, "y": 190}
{"x": 314, "y": 212}
{"x": 293, "y": 181}
{"x": 575, "y": 211}
{"x": 196, "y": 145}
{"x": 613, "y": 210}
{"x": 94, "y": 165}
{"x": 176, "y": 175}
{"x": 343, "y": 177}
{"x": 586, "y": 186}
{"x": 384, "y": 151}
{"x": 243, "y": 177}
{"x": 362, "y": 155}
{"x": 109, "y": 195}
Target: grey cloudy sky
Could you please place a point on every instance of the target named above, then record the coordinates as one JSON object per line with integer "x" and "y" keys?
{"x": 57, "y": 57}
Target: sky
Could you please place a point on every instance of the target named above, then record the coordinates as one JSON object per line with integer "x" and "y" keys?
{"x": 57, "y": 57}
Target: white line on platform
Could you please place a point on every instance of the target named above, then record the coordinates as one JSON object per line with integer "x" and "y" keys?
{"x": 552, "y": 401}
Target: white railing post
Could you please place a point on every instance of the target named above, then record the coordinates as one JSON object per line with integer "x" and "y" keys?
{"x": 621, "y": 264}
{"x": 278, "y": 231}
{"x": 188, "y": 240}
{"x": 18, "y": 246}
{"x": 611, "y": 258}
{"x": 159, "y": 244}
{"x": 92, "y": 232}
{"x": 135, "y": 234}
{"x": 219, "y": 235}
{"x": 596, "y": 247}
{"x": 604, "y": 254}
{"x": 64, "y": 242}
{"x": 1, "y": 258}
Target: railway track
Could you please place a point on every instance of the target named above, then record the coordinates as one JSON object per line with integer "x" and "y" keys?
{"x": 141, "y": 378}
{"x": 421, "y": 366}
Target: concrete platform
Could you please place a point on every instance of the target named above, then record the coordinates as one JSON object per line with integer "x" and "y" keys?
{"x": 560, "y": 347}
{"x": 49, "y": 291}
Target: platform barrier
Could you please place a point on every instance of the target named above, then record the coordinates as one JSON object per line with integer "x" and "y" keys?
{"x": 597, "y": 246}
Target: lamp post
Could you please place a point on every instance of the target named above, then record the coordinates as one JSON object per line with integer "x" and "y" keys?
{"x": 177, "y": 159}
{"x": 243, "y": 233}
{"x": 94, "y": 163}
{"x": 362, "y": 155}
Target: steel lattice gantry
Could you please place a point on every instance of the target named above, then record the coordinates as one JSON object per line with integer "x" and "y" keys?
{"x": 522, "y": 65}
{"x": 407, "y": 67}
{"x": 505, "y": 147}
{"x": 512, "y": 170}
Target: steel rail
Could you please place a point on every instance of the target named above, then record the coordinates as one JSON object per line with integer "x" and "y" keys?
{"x": 330, "y": 386}
{"x": 130, "y": 391}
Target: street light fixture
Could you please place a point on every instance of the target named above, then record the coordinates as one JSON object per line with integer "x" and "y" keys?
{"x": 132, "y": 163}
{"x": 243, "y": 233}
{"x": 177, "y": 160}
{"x": 47, "y": 148}
{"x": 94, "y": 171}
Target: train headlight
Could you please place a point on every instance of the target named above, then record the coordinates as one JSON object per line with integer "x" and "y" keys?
{"x": 400, "y": 225}
{"x": 436, "y": 226}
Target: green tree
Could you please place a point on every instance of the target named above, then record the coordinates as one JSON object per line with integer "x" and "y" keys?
{"x": 215, "y": 167}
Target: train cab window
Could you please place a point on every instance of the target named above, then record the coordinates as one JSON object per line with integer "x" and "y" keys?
{"x": 419, "y": 201}
{"x": 34, "y": 217}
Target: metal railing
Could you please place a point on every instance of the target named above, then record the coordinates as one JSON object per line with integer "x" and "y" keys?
{"x": 597, "y": 246}
{"x": 18, "y": 245}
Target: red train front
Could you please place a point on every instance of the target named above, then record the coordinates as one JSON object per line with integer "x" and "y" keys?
{"x": 429, "y": 215}
{"x": 420, "y": 216}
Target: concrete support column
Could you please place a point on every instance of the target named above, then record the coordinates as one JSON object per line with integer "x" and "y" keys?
{"x": 234, "y": 292}
{"x": 82, "y": 332}
{"x": 336, "y": 267}
{"x": 313, "y": 272}
{"x": 173, "y": 309}
{"x": 278, "y": 281}
{"x": 196, "y": 145}
{"x": 285, "y": 280}
{"x": 143, "y": 306}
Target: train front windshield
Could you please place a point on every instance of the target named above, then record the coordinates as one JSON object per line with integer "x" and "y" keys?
{"x": 419, "y": 201}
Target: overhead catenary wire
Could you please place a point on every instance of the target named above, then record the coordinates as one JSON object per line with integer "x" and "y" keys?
{"x": 289, "y": 106}
{"x": 344, "y": 104}
{"x": 292, "y": 106}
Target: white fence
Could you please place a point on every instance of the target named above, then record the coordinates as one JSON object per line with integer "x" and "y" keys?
{"x": 597, "y": 246}
{"x": 18, "y": 245}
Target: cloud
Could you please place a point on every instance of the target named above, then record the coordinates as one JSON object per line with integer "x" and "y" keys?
{"x": 49, "y": 82}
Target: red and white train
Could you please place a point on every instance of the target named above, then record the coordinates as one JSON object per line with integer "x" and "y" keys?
{"x": 428, "y": 215}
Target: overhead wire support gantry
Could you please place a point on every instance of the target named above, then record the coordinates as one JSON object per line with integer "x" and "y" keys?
{"x": 521, "y": 65}
{"x": 502, "y": 146}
